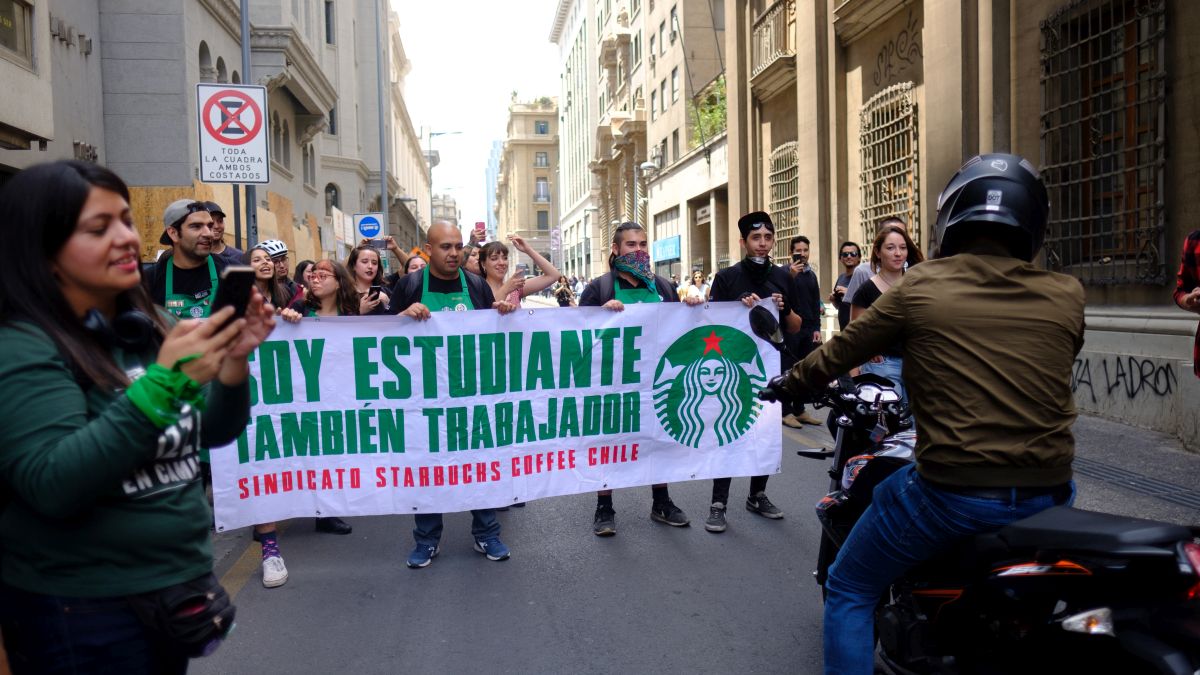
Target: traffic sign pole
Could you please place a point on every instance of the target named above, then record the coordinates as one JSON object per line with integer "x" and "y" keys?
{"x": 251, "y": 197}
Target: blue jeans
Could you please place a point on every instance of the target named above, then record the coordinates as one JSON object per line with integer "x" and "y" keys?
{"x": 428, "y": 531}
{"x": 890, "y": 368}
{"x": 52, "y": 634}
{"x": 909, "y": 521}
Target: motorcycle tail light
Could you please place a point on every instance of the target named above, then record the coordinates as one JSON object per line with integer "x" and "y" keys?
{"x": 1192, "y": 551}
{"x": 1092, "y": 622}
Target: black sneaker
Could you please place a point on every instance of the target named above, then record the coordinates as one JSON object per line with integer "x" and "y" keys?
{"x": 759, "y": 504}
{"x": 605, "y": 524}
{"x": 668, "y": 514}
{"x": 716, "y": 518}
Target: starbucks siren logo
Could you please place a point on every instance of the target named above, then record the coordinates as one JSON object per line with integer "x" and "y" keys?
{"x": 705, "y": 386}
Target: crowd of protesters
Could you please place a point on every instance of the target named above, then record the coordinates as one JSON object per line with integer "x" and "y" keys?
{"x": 124, "y": 367}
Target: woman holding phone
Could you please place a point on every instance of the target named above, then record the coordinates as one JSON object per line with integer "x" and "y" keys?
{"x": 104, "y": 513}
{"x": 493, "y": 261}
{"x": 366, "y": 269}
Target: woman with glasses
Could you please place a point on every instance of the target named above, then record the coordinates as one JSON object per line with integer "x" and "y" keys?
{"x": 697, "y": 288}
{"x": 104, "y": 513}
{"x": 849, "y": 256}
{"x": 333, "y": 294}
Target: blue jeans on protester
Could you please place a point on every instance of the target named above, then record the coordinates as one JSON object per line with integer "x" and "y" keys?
{"x": 52, "y": 634}
{"x": 909, "y": 521}
{"x": 428, "y": 531}
{"x": 889, "y": 368}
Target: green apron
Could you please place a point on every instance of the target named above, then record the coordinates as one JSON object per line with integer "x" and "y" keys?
{"x": 446, "y": 302}
{"x": 633, "y": 296}
{"x": 196, "y": 306}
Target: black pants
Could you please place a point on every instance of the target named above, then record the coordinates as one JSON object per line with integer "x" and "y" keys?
{"x": 721, "y": 488}
{"x": 50, "y": 634}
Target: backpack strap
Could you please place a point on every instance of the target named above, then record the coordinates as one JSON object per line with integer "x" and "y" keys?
{"x": 606, "y": 287}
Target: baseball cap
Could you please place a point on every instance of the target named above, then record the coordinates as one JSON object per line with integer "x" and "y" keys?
{"x": 214, "y": 208}
{"x": 175, "y": 212}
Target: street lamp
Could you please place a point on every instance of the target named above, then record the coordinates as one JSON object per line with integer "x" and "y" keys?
{"x": 429, "y": 158}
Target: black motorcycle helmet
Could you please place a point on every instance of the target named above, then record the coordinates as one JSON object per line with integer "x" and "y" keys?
{"x": 997, "y": 195}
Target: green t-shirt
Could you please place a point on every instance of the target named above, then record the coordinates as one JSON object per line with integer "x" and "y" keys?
{"x": 94, "y": 500}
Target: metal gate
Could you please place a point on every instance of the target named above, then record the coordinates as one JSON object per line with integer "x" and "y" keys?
{"x": 888, "y": 182}
{"x": 1104, "y": 89}
{"x": 784, "y": 179}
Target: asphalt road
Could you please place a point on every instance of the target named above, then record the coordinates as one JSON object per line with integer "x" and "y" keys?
{"x": 652, "y": 599}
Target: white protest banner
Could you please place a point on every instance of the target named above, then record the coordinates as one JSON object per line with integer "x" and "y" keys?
{"x": 376, "y": 415}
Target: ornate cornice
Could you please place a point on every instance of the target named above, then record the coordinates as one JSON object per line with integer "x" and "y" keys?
{"x": 303, "y": 75}
{"x": 854, "y": 18}
{"x": 228, "y": 14}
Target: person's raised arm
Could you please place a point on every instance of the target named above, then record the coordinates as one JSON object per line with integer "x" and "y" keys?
{"x": 550, "y": 273}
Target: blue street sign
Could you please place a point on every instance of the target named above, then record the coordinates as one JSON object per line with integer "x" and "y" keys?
{"x": 369, "y": 226}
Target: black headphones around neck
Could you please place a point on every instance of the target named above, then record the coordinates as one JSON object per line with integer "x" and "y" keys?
{"x": 131, "y": 330}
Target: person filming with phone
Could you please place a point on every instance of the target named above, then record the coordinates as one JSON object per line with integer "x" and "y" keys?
{"x": 365, "y": 264}
{"x": 493, "y": 261}
{"x": 105, "y": 554}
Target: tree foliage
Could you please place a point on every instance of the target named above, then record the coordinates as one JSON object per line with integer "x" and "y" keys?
{"x": 707, "y": 113}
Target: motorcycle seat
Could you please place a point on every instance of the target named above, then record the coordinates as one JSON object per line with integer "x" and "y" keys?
{"x": 1066, "y": 528}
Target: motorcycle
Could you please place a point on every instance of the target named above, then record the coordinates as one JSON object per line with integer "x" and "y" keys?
{"x": 1063, "y": 591}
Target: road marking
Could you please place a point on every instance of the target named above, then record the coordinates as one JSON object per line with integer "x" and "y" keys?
{"x": 246, "y": 565}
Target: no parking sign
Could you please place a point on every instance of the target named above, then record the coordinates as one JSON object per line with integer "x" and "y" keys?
{"x": 232, "y": 124}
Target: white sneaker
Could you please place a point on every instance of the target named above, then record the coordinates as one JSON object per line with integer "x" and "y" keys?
{"x": 274, "y": 572}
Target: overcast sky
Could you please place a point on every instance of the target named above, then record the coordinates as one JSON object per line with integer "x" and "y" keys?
{"x": 467, "y": 58}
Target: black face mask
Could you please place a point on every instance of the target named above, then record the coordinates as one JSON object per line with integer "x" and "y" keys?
{"x": 758, "y": 269}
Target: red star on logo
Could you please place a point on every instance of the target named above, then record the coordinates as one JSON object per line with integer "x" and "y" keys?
{"x": 713, "y": 343}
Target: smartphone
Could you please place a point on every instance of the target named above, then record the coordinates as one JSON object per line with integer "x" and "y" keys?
{"x": 380, "y": 244}
{"x": 522, "y": 269}
{"x": 797, "y": 257}
{"x": 374, "y": 292}
{"x": 482, "y": 236}
{"x": 233, "y": 289}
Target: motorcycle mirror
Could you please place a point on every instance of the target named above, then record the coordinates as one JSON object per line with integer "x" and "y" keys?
{"x": 764, "y": 325}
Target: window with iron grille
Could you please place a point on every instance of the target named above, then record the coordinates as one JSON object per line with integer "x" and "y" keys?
{"x": 784, "y": 182}
{"x": 888, "y": 181}
{"x": 1103, "y": 140}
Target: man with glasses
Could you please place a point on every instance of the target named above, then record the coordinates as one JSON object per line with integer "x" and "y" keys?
{"x": 849, "y": 256}
{"x": 185, "y": 282}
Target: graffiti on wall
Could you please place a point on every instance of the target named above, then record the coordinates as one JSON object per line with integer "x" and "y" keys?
{"x": 900, "y": 53}
{"x": 1129, "y": 376}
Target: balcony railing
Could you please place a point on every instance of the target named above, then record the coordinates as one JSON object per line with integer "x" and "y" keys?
{"x": 541, "y": 197}
{"x": 772, "y": 35}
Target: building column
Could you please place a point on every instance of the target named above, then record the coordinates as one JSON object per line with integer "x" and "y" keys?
{"x": 951, "y": 38}
{"x": 739, "y": 105}
{"x": 995, "y": 90}
{"x": 813, "y": 131}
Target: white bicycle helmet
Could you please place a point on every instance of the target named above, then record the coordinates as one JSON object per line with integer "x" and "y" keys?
{"x": 274, "y": 248}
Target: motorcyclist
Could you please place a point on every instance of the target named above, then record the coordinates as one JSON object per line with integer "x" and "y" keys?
{"x": 989, "y": 340}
